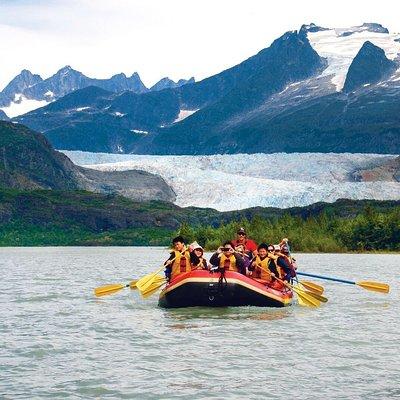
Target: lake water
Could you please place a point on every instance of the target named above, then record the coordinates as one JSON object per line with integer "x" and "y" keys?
{"x": 58, "y": 341}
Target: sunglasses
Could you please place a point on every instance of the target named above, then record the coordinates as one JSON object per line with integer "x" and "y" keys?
{"x": 241, "y": 234}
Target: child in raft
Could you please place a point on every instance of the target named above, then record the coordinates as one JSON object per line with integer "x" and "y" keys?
{"x": 197, "y": 260}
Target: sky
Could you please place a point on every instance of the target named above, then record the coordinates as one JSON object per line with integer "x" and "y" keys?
{"x": 158, "y": 38}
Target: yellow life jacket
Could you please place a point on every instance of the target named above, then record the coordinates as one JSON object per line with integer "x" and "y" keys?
{"x": 229, "y": 263}
{"x": 181, "y": 263}
{"x": 262, "y": 268}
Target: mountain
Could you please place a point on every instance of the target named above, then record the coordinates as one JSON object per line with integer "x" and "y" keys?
{"x": 315, "y": 90}
{"x": 130, "y": 118}
{"x": 3, "y": 116}
{"x": 27, "y": 91}
{"x": 370, "y": 65}
{"x": 27, "y": 161}
{"x": 17, "y": 86}
{"x": 166, "y": 83}
{"x": 67, "y": 80}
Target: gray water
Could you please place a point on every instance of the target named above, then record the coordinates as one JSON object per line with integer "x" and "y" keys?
{"x": 58, "y": 341}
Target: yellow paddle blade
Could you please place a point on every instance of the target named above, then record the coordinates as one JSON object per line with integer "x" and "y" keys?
{"x": 317, "y": 296}
{"x": 301, "y": 302}
{"x": 143, "y": 283}
{"x": 374, "y": 286}
{"x": 152, "y": 289}
{"x": 313, "y": 287}
{"x": 132, "y": 284}
{"x": 306, "y": 298}
{"x": 108, "y": 289}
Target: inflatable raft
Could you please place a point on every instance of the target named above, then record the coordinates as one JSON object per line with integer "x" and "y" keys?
{"x": 206, "y": 289}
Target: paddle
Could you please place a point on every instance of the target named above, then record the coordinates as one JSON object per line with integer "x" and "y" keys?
{"x": 153, "y": 288}
{"x": 144, "y": 283}
{"x": 307, "y": 299}
{"x": 312, "y": 287}
{"x": 113, "y": 288}
{"x": 368, "y": 285}
{"x": 318, "y": 296}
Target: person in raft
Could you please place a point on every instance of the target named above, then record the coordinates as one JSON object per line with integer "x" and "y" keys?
{"x": 226, "y": 259}
{"x": 285, "y": 249}
{"x": 262, "y": 266}
{"x": 197, "y": 260}
{"x": 285, "y": 271}
{"x": 179, "y": 260}
{"x": 242, "y": 242}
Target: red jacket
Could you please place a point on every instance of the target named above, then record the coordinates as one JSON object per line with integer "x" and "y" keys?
{"x": 250, "y": 245}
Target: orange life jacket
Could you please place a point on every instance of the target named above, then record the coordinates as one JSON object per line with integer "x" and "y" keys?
{"x": 181, "y": 263}
{"x": 229, "y": 263}
{"x": 262, "y": 268}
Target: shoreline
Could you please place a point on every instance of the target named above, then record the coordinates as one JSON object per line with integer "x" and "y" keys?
{"x": 372, "y": 252}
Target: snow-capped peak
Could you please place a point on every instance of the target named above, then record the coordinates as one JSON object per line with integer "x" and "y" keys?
{"x": 340, "y": 48}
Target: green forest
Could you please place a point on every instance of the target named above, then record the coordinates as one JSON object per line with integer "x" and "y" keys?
{"x": 368, "y": 231}
{"x": 79, "y": 218}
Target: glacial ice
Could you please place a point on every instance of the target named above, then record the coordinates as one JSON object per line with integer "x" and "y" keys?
{"x": 232, "y": 182}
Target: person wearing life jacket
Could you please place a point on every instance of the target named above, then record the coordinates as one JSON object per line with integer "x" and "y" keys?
{"x": 197, "y": 260}
{"x": 250, "y": 246}
{"x": 246, "y": 255}
{"x": 285, "y": 249}
{"x": 284, "y": 263}
{"x": 263, "y": 264}
{"x": 179, "y": 260}
{"x": 225, "y": 259}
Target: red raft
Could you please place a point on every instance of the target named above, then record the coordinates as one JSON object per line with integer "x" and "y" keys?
{"x": 205, "y": 289}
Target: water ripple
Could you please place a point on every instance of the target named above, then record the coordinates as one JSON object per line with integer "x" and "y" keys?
{"x": 58, "y": 341}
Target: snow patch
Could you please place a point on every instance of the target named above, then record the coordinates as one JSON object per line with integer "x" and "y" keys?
{"x": 184, "y": 114}
{"x": 22, "y": 105}
{"x": 341, "y": 50}
{"x": 231, "y": 182}
{"x": 138, "y": 131}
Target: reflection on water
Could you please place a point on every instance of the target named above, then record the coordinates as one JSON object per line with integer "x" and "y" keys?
{"x": 227, "y": 313}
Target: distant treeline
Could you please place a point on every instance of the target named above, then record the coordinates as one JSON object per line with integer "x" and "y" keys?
{"x": 79, "y": 218}
{"x": 368, "y": 231}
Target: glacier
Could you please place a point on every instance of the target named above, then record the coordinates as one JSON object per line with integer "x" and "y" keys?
{"x": 341, "y": 50}
{"x": 232, "y": 182}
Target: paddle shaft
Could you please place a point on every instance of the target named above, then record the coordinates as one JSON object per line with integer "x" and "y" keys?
{"x": 328, "y": 278}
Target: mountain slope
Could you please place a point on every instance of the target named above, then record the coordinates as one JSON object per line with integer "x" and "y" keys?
{"x": 27, "y": 161}
{"x": 289, "y": 59}
{"x": 369, "y": 66}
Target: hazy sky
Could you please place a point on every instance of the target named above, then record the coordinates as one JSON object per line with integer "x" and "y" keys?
{"x": 157, "y": 38}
